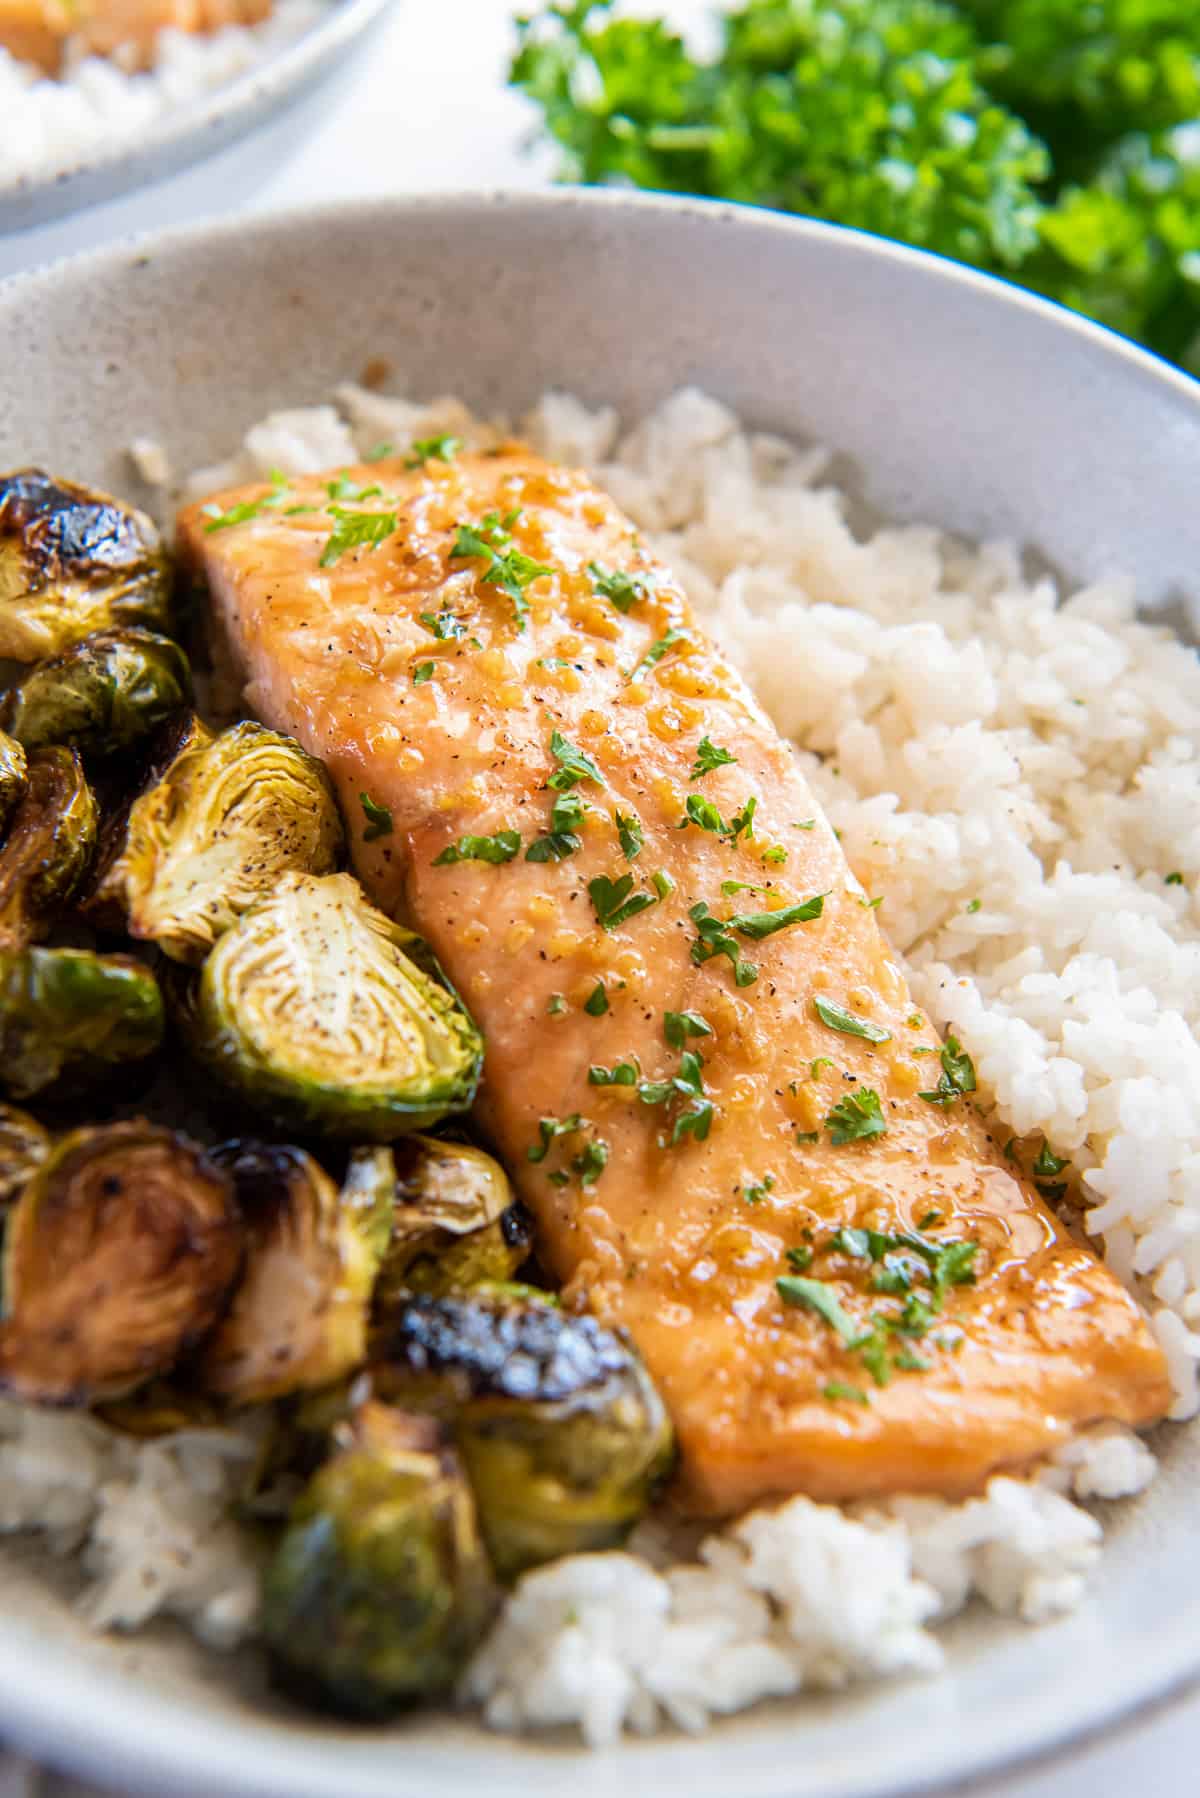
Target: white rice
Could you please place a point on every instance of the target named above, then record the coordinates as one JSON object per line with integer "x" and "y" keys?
{"x": 1015, "y": 771}
{"x": 50, "y": 126}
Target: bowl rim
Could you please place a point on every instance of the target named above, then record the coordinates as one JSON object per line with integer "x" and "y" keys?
{"x": 170, "y": 1739}
{"x": 210, "y": 122}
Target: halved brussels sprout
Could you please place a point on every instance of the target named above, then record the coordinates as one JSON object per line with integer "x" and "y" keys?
{"x": 49, "y": 847}
{"x": 67, "y": 1012}
{"x": 117, "y": 1257}
{"x": 563, "y": 1436}
{"x": 102, "y": 903}
{"x": 455, "y": 1222}
{"x": 100, "y": 696}
{"x": 73, "y": 561}
{"x": 380, "y": 1588}
{"x": 299, "y": 1316}
{"x": 13, "y": 771}
{"x": 214, "y": 835}
{"x": 310, "y": 1009}
{"x": 24, "y": 1145}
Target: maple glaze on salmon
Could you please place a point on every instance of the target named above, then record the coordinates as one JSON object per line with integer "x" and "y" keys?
{"x": 983, "y": 1340}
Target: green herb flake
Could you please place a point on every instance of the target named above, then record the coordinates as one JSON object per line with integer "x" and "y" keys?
{"x": 710, "y": 756}
{"x": 815, "y": 1295}
{"x": 421, "y": 673}
{"x": 775, "y": 856}
{"x": 695, "y": 1123}
{"x": 379, "y": 819}
{"x": 556, "y": 1004}
{"x": 662, "y": 883}
{"x": 432, "y": 449}
{"x": 342, "y": 487}
{"x": 1174, "y": 879}
{"x": 246, "y": 509}
{"x": 562, "y": 839}
{"x": 703, "y": 813}
{"x": 355, "y": 530}
{"x": 930, "y": 1219}
{"x": 549, "y": 1129}
{"x": 380, "y": 453}
{"x": 573, "y": 765}
{"x": 760, "y": 924}
{"x": 730, "y": 887}
{"x": 835, "y": 1391}
{"x": 622, "y": 590}
{"x": 1048, "y": 1164}
{"x": 974, "y": 906}
{"x": 657, "y": 651}
{"x": 804, "y": 824}
{"x": 502, "y": 847}
{"x": 622, "y": 1073}
{"x": 803, "y": 1136}
{"x": 596, "y": 1004}
{"x": 909, "y": 1362}
{"x": 630, "y": 834}
{"x": 591, "y": 1162}
{"x": 856, "y": 1118}
{"x": 506, "y": 567}
{"x": 799, "y": 1259}
{"x": 757, "y": 1190}
{"x": 679, "y": 1025}
{"x": 837, "y": 1018}
{"x": 444, "y": 626}
{"x": 615, "y": 902}
{"x": 815, "y": 1067}
{"x": 713, "y": 938}
{"x": 957, "y": 1076}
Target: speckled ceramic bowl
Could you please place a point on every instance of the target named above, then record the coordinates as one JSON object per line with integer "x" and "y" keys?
{"x": 957, "y": 400}
{"x": 209, "y": 123}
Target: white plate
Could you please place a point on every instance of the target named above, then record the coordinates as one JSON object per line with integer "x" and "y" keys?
{"x": 958, "y": 400}
{"x": 199, "y": 129}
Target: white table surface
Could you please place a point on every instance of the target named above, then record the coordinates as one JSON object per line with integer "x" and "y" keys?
{"x": 426, "y": 110}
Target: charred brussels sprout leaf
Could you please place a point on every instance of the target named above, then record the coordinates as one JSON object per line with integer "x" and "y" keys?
{"x": 49, "y": 847}
{"x": 117, "y": 1257}
{"x": 299, "y": 1316}
{"x": 73, "y": 561}
{"x": 455, "y": 1222}
{"x": 67, "y": 1012}
{"x": 311, "y": 1010}
{"x": 214, "y": 835}
{"x": 561, "y": 1431}
{"x": 13, "y": 770}
{"x": 379, "y": 1589}
{"x": 101, "y": 696}
{"x": 24, "y": 1145}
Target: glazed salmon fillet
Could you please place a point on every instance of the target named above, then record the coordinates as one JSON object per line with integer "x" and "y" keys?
{"x": 740, "y": 1138}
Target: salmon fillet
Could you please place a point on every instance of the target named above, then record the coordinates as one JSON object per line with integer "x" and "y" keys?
{"x": 39, "y": 31}
{"x": 957, "y": 1328}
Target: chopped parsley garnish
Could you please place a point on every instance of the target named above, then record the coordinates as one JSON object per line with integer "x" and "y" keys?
{"x": 703, "y": 812}
{"x": 905, "y": 1359}
{"x": 444, "y": 626}
{"x": 615, "y": 902}
{"x": 946, "y": 1264}
{"x": 757, "y": 1190}
{"x": 709, "y": 756}
{"x": 856, "y": 1118}
{"x": 1048, "y": 1164}
{"x": 502, "y": 847}
{"x": 808, "y": 1136}
{"x": 508, "y": 568}
{"x": 551, "y": 1128}
{"x": 355, "y": 530}
{"x": 662, "y": 883}
{"x": 1174, "y": 879}
{"x": 379, "y": 819}
{"x": 380, "y": 453}
{"x": 248, "y": 508}
{"x": 713, "y": 938}
{"x": 805, "y": 824}
{"x": 821, "y": 1061}
{"x": 730, "y": 887}
{"x": 556, "y": 1004}
{"x": 432, "y": 449}
{"x": 421, "y": 673}
{"x": 974, "y": 906}
{"x": 930, "y": 1219}
{"x": 775, "y": 856}
{"x": 742, "y": 823}
{"x": 566, "y": 815}
{"x": 679, "y": 1025}
{"x": 623, "y": 590}
{"x": 871, "y": 904}
{"x": 833, "y": 1390}
{"x": 800, "y": 1258}
{"x": 815, "y": 1295}
{"x": 622, "y": 1073}
{"x": 837, "y": 1018}
{"x": 629, "y": 830}
{"x": 694, "y": 1123}
{"x": 591, "y": 1162}
{"x": 759, "y": 924}
{"x": 957, "y": 1076}
{"x": 342, "y": 487}
{"x": 658, "y": 650}
{"x": 596, "y": 1004}
{"x": 573, "y": 765}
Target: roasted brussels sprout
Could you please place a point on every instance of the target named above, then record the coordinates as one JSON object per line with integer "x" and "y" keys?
{"x": 24, "y": 1145}
{"x": 310, "y": 1009}
{"x": 563, "y": 1435}
{"x": 13, "y": 772}
{"x": 73, "y": 561}
{"x": 49, "y": 847}
{"x": 455, "y": 1222}
{"x": 379, "y": 1589}
{"x": 299, "y": 1316}
{"x": 100, "y": 696}
{"x": 117, "y": 1257}
{"x": 215, "y": 834}
{"x": 69, "y": 1012}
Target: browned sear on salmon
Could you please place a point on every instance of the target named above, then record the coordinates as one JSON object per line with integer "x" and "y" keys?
{"x": 741, "y": 1139}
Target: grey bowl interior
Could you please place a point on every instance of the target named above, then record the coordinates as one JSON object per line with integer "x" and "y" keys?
{"x": 210, "y": 123}
{"x": 957, "y": 400}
